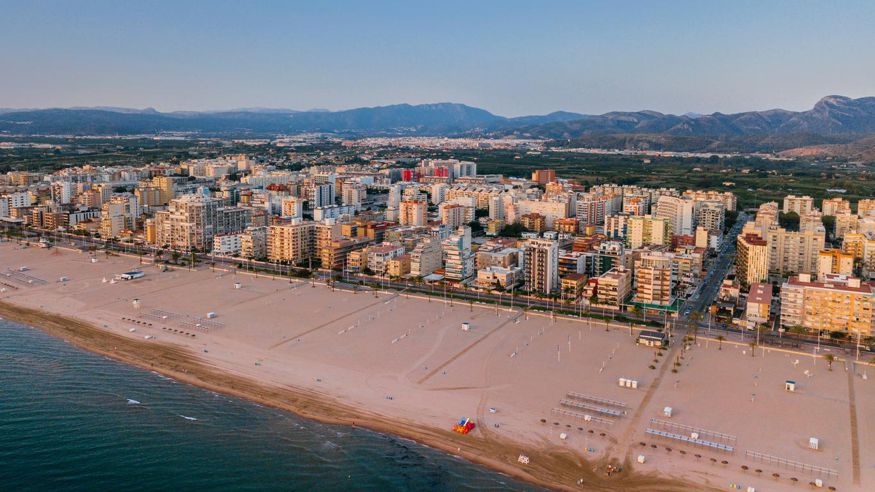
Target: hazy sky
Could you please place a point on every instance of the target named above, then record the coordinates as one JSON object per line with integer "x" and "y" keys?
{"x": 509, "y": 57}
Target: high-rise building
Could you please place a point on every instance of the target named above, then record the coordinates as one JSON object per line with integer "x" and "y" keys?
{"x": 191, "y": 222}
{"x": 354, "y": 195}
{"x": 322, "y": 195}
{"x": 541, "y": 266}
{"x": 438, "y": 193}
{"x": 647, "y": 231}
{"x": 293, "y": 242}
{"x": 793, "y": 252}
{"x": 413, "y": 213}
{"x": 799, "y": 204}
{"x": 534, "y": 222}
{"x": 292, "y": 207}
{"x": 253, "y": 243}
{"x": 845, "y": 223}
{"x": 452, "y": 215}
{"x": 862, "y": 246}
{"x": 592, "y": 208}
{"x": 654, "y": 282}
{"x": 119, "y": 214}
{"x": 617, "y": 226}
{"x": 752, "y": 259}
{"x": 636, "y": 203}
{"x": 679, "y": 211}
{"x": 458, "y": 257}
{"x": 711, "y": 216}
{"x": 425, "y": 257}
{"x": 835, "y": 206}
{"x": 543, "y": 176}
{"x": 866, "y": 207}
{"x": 726, "y": 197}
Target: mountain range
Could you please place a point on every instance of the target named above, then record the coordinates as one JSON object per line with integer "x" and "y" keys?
{"x": 835, "y": 122}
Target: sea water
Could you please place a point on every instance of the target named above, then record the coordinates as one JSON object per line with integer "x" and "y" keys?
{"x": 72, "y": 420}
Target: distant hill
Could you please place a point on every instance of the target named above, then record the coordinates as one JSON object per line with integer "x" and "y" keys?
{"x": 432, "y": 119}
{"x": 834, "y": 120}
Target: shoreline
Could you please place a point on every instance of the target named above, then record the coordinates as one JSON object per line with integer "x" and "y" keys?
{"x": 554, "y": 468}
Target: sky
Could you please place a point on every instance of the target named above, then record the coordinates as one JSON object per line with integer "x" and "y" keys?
{"x": 509, "y": 57}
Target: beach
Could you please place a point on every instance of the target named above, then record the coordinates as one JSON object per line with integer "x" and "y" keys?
{"x": 404, "y": 365}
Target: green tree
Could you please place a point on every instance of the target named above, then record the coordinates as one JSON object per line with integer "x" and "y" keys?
{"x": 830, "y": 358}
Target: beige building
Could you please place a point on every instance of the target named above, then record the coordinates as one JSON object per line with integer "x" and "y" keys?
{"x": 398, "y": 266}
{"x": 681, "y": 213}
{"x": 654, "y": 282}
{"x": 726, "y": 197}
{"x": 191, "y": 221}
{"x": 647, "y": 231}
{"x": 253, "y": 243}
{"x": 799, "y": 204}
{"x": 835, "y": 206}
{"x": 834, "y": 262}
{"x": 413, "y": 213}
{"x": 862, "y": 247}
{"x": 752, "y": 259}
{"x": 453, "y": 215}
{"x": 792, "y": 252}
{"x": 119, "y": 214}
{"x": 840, "y": 303}
{"x": 292, "y": 243}
{"x": 845, "y": 223}
{"x": 614, "y": 287}
{"x": 425, "y": 257}
{"x": 759, "y": 303}
{"x": 866, "y": 208}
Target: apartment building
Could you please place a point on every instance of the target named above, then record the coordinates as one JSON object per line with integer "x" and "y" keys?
{"x": 835, "y": 206}
{"x": 834, "y": 262}
{"x": 727, "y": 198}
{"x": 293, "y": 242}
{"x": 654, "y": 281}
{"x": 759, "y": 303}
{"x": 413, "y": 213}
{"x": 862, "y": 247}
{"x": 426, "y": 257}
{"x": 840, "y": 303}
{"x": 458, "y": 258}
{"x": 647, "y": 231}
{"x": 799, "y": 204}
{"x": 541, "y": 266}
{"x": 752, "y": 259}
{"x": 614, "y": 288}
{"x": 794, "y": 251}
{"x": 191, "y": 222}
{"x": 681, "y": 213}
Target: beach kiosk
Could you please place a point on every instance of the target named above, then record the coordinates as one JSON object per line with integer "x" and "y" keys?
{"x": 790, "y": 385}
{"x": 652, "y": 338}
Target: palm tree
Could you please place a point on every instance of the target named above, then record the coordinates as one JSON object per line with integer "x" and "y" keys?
{"x": 720, "y": 339}
{"x": 695, "y": 317}
{"x": 830, "y": 358}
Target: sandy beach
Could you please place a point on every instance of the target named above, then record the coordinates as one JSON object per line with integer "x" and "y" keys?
{"x": 404, "y": 365}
